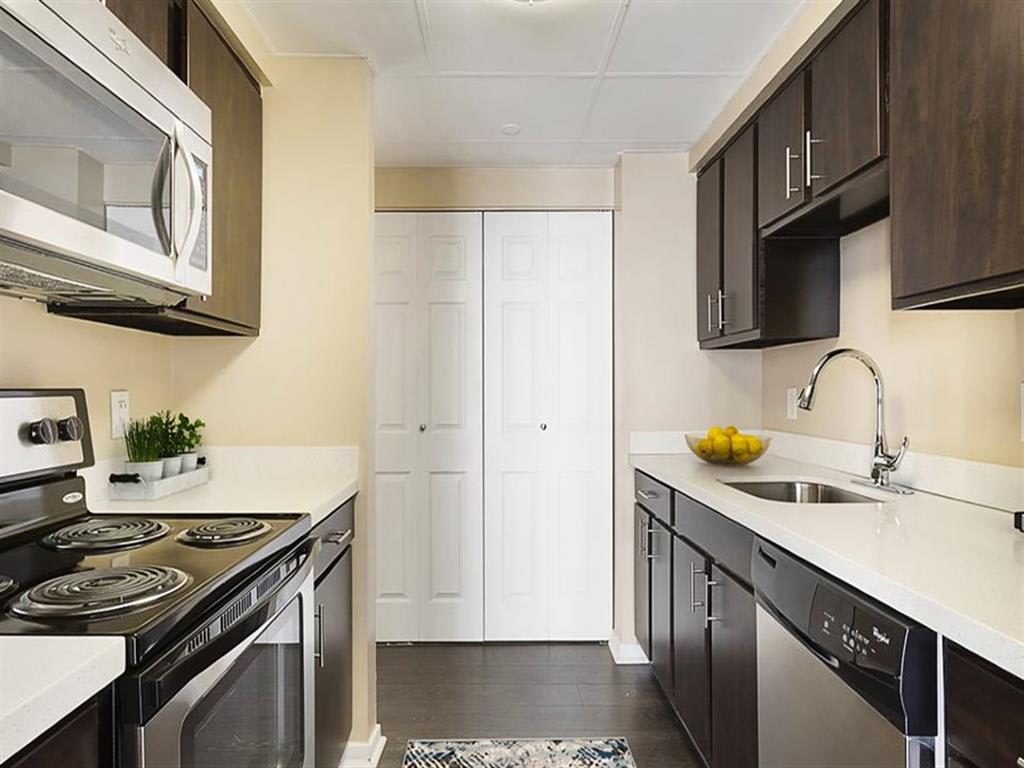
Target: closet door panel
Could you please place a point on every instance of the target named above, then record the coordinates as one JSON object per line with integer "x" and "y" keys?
{"x": 450, "y": 391}
{"x": 517, "y": 483}
{"x": 580, "y": 424}
{"x": 398, "y": 482}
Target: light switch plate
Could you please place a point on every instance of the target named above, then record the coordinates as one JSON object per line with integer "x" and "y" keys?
{"x": 120, "y": 412}
{"x": 792, "y": 393}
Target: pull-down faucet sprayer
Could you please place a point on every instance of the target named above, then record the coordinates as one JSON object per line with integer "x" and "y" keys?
{"x": 883, "y": 462}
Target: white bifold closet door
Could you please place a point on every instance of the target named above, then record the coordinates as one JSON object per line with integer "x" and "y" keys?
{"x": 548, "y": 426}
{"x": 428, "y": 474}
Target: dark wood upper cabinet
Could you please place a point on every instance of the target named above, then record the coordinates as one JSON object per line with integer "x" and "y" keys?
{"x": 957, "y": 165}
{"x": 219, "y": 78}
{"x": 847, "y": 101}
{"x": 733, "y": 673}
{"x": 709, "y": 250}
{"x": 739, "y": 235}
{"x": 780, "y": 152}
{"x": 690, "y": 644}
{"x": 642, "y": 579}
{"x": 158, "y": 24}
{"x": 984, "y": 712}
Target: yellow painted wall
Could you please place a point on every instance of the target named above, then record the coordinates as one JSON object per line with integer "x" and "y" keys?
{"x": 422, "y": 189}
{"x": 952, "y": 378}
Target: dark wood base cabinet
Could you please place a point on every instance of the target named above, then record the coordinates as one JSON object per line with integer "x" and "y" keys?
{"x": 984, "y": 713}
{"x": 690, "y": 644}
{"x": 82, "y": 740}
{"x": 661, "y": 604}
{"x": 642, "y": 579}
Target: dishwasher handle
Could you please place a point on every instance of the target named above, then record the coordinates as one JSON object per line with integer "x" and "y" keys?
{"x": 813, "y": 648}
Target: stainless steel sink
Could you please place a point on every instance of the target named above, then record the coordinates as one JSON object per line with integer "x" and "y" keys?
{"x": 800, "y": 492}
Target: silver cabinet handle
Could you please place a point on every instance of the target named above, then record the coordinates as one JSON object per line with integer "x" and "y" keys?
{"x": 1020, "y": 762}
{"x": 694, "y": 602}
{"x": 651, "y": 531}
{"x": 811, "y": 176}
{"x": 710, "y": 325}
{"x": 722, "y": 322}
{"x": 318, "y": 647}
{"x": 708, "y": 618}
{"x": 646, "y": 495}
{"x": 790, "y": 157}
{"x": 423, "y": 427}
{"x": 340, "y": 538}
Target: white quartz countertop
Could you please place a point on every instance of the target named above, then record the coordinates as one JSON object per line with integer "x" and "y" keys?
{"x": 259, "y": 480}
{"x": 955, "y": 567}
{"x": 43, "y": 679}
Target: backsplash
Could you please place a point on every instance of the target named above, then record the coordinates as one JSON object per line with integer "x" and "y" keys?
{"x": 952, "y": 378}
{"x": 42, "y": 350}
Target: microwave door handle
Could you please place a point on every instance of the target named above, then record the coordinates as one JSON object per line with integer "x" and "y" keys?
{"x": 163, "y": 165}
{"x": 195, "y": 195}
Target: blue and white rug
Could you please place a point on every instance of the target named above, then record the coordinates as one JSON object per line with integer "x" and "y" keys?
{"x": 519, "y": 753}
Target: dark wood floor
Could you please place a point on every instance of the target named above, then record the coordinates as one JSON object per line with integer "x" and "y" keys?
{"x": 523, "y": 691}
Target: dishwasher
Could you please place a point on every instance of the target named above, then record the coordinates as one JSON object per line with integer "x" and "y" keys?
{"x": 842, "y": 681}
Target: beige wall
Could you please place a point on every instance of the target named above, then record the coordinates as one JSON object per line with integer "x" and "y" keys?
{"x": 305, "y": 380}
{"x": 952, "y": 378}
{"x": 42, "y": 350}
{"x": 662, "y": 379}
{"x": 421, "y": 189}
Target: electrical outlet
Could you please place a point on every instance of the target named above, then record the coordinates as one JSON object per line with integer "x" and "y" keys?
{"x": 120, "y": 413}
{"x": 792, "y": 393}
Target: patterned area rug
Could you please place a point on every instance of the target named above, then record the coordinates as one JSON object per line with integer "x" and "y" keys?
{"x": 519, "y": 753}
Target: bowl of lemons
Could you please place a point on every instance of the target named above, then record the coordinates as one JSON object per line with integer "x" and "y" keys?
{"x": 727, "y": 446}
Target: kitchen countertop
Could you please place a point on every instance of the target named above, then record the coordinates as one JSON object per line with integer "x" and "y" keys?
{"x": 257, "y": 480}
{"x": 43, "y": 679}
{"x": 955, "y": 567}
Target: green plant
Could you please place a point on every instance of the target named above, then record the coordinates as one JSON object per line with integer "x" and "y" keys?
{"x": 190, "y": 433}
{"x": 142, "y": 440}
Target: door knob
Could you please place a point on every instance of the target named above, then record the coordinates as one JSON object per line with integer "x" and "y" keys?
{"x": 543, "y": 427}
{"x": 423, "y": 427}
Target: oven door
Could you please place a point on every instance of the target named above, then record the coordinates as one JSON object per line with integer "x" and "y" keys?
{"x": 252, "y": 705}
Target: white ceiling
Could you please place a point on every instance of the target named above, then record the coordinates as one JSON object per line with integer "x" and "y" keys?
{"x": 584, "y": 79}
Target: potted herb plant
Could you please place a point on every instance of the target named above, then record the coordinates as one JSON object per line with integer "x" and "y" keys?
{"x": 190, "y": 436}
{"x": 143, "y": 443}
{"x": 166, "y": 428}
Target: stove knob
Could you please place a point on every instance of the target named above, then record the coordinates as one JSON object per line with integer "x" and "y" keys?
{"x": 43, "y": 432}
{"x": 71, "y": 429}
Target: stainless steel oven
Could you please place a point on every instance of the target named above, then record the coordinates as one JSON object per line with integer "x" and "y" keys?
{"x": 237, "y": 689}
{"x": 106, "y": 162}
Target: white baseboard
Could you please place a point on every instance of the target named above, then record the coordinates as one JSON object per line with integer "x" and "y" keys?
{"x": 364, "y": 754}
{"x": 626, "y": 653}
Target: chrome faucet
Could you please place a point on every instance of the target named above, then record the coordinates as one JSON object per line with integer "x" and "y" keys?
{"x": 883, "y": 463}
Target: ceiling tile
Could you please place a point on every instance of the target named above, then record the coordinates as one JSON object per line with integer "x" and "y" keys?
{"x": 411, "y": 154}
{"x": 387, "y": 32}
{"x": 658, "y": 109}
{"x": 697, "y": 35}
{"x": 408, "y": 109}
{"x": 522, "y": 153}
{"x": 513, "y": 36}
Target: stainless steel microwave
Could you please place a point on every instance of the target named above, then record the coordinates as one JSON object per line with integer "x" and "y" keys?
{"x": 106, "y": 162}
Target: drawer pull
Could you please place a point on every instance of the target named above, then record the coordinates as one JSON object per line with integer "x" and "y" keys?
{"x": 647, "y": 495}
{"x": 1020, "y": 762}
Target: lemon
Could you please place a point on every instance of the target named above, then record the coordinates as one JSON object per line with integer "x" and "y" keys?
{"x": 714, "y": 432}
{"x": 744, "y": 458}
{"x": 731, "y": 430}
{"x": 704, "y": 448}
{"x": 721, "y": 446}
{"x": 739, "y": 446}
{"x": 755, "y": 446}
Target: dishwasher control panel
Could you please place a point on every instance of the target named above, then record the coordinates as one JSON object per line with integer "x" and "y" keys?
{"x": 855, "y": 634}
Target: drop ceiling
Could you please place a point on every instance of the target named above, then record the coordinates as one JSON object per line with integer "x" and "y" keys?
{"x": 582, "y": 79}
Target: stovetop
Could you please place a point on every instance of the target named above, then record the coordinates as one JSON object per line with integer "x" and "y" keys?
{"x": 168, "y": 571}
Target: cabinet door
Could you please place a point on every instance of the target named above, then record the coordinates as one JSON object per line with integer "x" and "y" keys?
{"x": 690, "y": 644}
{"x": 957, "y": 166}
{"x": 847, "y": 101}
{"x": 709, "y": 250}
{"x": 739, "y": 235}
{"x": 220, "y": 80}
{"x": 661, "y": 604}
{"x": 780, "y": 140}
{"x": 152, "y": 21}
{"x": 75, "y": 742}
{"x": 642, "y": 579}
{"x": 733, "y": 673}
{"x": 333, "y": 682}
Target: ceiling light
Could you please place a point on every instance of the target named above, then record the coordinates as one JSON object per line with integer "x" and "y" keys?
{"x": 510, "y": 129}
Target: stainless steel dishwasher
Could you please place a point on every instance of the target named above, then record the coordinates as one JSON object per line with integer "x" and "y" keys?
{"x": 842, "y": 681}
